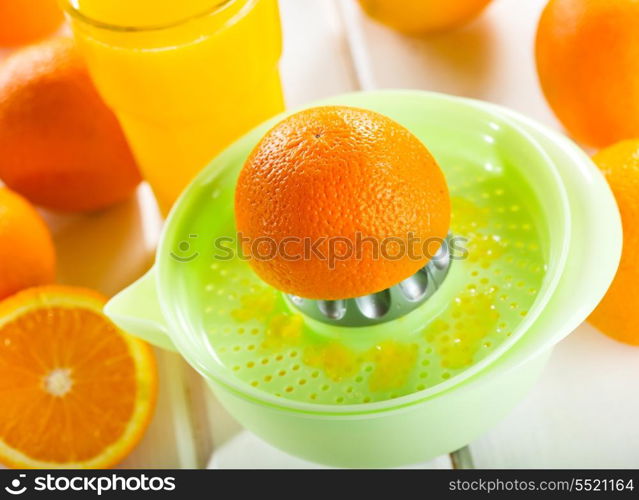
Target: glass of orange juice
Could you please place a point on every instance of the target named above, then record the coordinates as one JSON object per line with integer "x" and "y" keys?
{"x": 185, "y": 77}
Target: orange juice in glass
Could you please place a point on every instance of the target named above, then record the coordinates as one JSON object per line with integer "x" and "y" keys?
{"x": 185, "y": 77}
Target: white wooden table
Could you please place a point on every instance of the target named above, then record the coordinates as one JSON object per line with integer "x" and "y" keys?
{"x": 584, "y": 412}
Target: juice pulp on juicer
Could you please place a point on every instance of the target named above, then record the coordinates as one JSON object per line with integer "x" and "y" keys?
{"x": 254, "y": 334}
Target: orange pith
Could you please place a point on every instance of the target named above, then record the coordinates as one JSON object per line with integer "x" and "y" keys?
{"x": 618, "y": 313}
{"x": 345, "y": 178}
{"x": 75, "y": 391}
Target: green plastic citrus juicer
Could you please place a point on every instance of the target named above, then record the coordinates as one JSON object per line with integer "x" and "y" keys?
{"x": 385, "y": 388}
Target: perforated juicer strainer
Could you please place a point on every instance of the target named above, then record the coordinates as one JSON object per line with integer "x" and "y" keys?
{"x": 311, "y": 387}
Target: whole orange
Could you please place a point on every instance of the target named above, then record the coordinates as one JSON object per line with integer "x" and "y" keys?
{"x": 350, "y": 183}
{"x": 588, "y": 65}
{"x": 27, "y": 21}
{"x": 618, "y": 314}
{"x": 27, "y": 255}
{"x": 61, "y": 147}
{"x": 419, "y": 17}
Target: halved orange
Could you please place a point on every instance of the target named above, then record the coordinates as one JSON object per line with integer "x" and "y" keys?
{"x": 75, "y": 391}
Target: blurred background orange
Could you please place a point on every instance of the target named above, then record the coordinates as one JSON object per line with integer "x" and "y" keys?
{"x": 27, "y": 255}
{"x": 588, "y": 64}
{"x": 26, "y": 21}
{"x": 618, "y": 314}
{"x": 421, "y": 17}
{"x": 61, "y": 147}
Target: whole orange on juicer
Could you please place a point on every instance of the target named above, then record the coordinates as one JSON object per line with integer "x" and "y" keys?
{"x": 337, "y": 203}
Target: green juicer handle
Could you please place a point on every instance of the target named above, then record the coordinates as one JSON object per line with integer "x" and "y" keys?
{"x": 137, "y": 311}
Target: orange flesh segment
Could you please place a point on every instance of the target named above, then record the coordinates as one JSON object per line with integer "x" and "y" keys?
{"x": 69, "y": 386}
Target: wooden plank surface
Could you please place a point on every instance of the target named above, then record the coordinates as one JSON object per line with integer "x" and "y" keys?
{"x": 582, "y": 414}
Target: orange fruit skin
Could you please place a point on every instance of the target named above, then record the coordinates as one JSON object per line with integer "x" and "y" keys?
{"x": 61, "y": 147}
{"x": 97, "y": 420}
{"x": 27, "y": 254}
{"x": 421, "y": 17}
{"x": 27, "y": 21}
{"x": 336, "y": 172}
{"x": 618, "y": 313}
{"x": 588, "y": 64}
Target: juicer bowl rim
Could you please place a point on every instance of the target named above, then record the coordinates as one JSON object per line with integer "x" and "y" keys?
{"x": 178, "y": 322}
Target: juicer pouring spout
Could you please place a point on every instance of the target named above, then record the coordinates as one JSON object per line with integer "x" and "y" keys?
{"x": 137, "y": 311}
